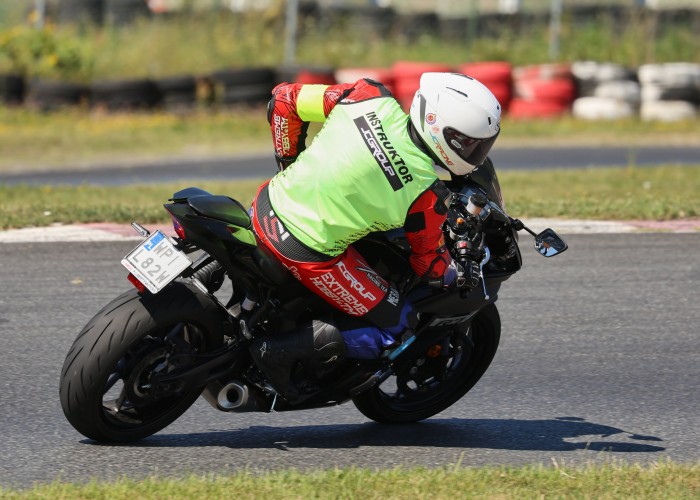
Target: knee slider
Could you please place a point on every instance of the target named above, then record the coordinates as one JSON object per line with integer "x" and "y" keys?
{"x": 328, "y": 340}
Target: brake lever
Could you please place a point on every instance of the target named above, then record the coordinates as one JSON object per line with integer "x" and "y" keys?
{"x": 484, "y": 261}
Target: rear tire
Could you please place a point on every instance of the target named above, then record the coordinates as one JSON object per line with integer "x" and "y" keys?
{"x": 105, "y": 388}
{"x": 426, "y": 385}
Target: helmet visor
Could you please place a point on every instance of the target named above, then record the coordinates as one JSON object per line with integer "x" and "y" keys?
{"x": 471, "y": 150}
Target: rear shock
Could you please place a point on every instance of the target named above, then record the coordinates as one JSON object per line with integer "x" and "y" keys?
{"x": 211, "y": 276}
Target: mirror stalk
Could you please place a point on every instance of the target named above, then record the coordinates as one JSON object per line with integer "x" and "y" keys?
{"x": 519, "y": 226}
{"x": 547, "y": 243}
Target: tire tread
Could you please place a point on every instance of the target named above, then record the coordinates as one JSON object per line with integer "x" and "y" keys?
{"x": 107, "y": 336}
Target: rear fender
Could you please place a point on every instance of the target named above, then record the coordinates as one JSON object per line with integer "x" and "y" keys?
{"x": 222, "y": 240}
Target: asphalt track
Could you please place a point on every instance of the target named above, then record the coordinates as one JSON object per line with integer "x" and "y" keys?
{"x": 262, "y": 165}
{"x": 598, "y": 362}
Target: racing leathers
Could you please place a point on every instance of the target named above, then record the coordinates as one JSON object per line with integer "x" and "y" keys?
{"x": 362, "y": 173}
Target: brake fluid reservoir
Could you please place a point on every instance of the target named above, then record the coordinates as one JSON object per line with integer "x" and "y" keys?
{"x": 476, "y": 203}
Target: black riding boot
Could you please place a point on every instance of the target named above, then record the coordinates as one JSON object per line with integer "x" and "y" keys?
{"x": 276, "y": 355}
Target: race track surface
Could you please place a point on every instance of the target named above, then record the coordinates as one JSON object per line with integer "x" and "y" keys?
{"x": 598, "y": 362}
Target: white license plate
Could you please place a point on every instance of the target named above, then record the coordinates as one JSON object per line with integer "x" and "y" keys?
{"x": 156, "y": 262}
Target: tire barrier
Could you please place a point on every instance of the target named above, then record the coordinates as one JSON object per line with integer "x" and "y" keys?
{"x": 589, "y": 75}
{"x": 668, "y": 111}
{"x": 237, "y": 86}
{"x": 533, "y": 109}
{"x": 670, "y": 75}
{"x": 587, "y": 89}
{"x": 606, "y": 91}
{"x": 407, "y": 78}
{"x": 178, "y": 92}
{"x": 542, "y": 91}
{"x": 669, "y": 92}
{"x": 603, "y": 108}
{"x": 125, "y": 95}
{"x": 11, "y": 89}
{"x": 351, "y": 75}
{"x": 305, "y": 74}
{"x": 544, "y": 72}
{"x": 50, "y": 95}
{"x": 496, "y": 75}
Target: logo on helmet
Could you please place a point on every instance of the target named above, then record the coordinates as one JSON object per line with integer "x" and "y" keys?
{"x": 430, "y": 118}
{"x": 440, "y": 150}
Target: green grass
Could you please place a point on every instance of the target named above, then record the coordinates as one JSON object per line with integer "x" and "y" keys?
{"x": 661, "y": 193}
{"x": 23, "y": 206}
{"x": 71, "y": 138}
{"x": 613, "y": 482}
{"x": 75, "y": 138}
{"x": 203, "y": 42}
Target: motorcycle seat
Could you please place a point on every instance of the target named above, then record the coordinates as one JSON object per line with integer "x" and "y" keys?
{"x": 221, "y": 208}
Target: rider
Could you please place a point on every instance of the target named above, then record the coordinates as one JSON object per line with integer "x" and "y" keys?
{"x": 370, "y": 168}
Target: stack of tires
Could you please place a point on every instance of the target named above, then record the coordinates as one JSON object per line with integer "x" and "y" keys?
{"x": 496, "y": 75}
{"x": 11, "y": 89}
{"x": 542, "y": 91}
{"x": 407, "y": 79}
{"x": 125, "y": 95}
{"x": 670, "y": 92}
{"x": 305, "y": 74}
{"x": 606, "y": 91}
{"x": 178, "y": 92}
{"x": 351, "y": 75}
{"x": 48, "y": 95}
{"x": 249, "y": 86}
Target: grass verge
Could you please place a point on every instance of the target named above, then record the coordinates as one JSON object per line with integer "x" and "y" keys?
{"x": 659, "y": 193}
{"x": 663, "y": 480}
{"x": 75, "y": 138}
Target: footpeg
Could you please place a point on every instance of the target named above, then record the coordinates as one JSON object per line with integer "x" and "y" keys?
{"x": 376, "y": 379}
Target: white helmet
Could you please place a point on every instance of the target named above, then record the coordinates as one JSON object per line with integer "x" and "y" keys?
{"x": 457, "y": 118}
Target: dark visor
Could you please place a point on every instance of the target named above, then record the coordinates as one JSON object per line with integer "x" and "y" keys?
{"x": 471, "y": 150}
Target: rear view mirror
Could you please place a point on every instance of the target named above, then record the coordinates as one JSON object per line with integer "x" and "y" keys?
{"x": 549, "y": 244}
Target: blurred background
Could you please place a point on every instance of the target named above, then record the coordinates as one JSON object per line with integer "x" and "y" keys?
{"x": 597, "y": 59}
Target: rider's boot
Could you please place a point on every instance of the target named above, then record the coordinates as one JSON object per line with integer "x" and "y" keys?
{"x": 276, "y": 355}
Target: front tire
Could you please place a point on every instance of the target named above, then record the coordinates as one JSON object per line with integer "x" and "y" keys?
{"x": 437, "y": 377}
{"x": 105, "y": 387}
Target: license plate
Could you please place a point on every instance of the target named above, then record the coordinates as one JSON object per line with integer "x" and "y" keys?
{"x": 156, "y": 262}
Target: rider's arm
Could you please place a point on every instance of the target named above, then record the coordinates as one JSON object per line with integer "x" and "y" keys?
{"x": 294, "y": 105}
{"x": 429, "y": 257}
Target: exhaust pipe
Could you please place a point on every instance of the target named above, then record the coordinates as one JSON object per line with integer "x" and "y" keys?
{"x": 234, "y": 396}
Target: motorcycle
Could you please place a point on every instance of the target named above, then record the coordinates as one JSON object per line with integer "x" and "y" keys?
{"x": 145, "y": 358}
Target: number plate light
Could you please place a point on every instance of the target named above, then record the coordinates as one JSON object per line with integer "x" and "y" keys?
{"x": 137, "y": 284}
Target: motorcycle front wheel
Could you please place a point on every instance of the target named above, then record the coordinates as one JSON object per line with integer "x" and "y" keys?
{"x": 438, "y": 376}
{"x": 107, "y": 387}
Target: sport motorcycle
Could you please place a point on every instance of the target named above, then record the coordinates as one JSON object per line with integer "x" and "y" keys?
{"x": 200, "y": 298}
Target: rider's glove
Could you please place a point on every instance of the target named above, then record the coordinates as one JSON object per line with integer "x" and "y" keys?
{"x": 284, "y": 161}
{"x": 471, "y": 273}
{"x": 458, "y": 276}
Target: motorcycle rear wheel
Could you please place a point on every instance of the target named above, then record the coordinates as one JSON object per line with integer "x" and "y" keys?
{"x": 431, "y": 382}
{"x": 105, "y": 389}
